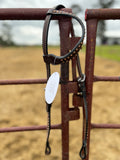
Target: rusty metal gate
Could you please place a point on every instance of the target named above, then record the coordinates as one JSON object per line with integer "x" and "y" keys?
{"x": 67, "y": 114}
{"x": 67, "y": 87}
{"x": 92, "y": 16}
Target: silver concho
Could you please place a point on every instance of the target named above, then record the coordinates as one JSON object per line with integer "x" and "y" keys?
{"x": 52, "y": 87}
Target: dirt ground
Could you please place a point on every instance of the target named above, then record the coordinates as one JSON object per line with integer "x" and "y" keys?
{"x": 23, "y": 105}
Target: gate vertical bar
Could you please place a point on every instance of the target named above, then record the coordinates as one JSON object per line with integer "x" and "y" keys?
{"x": 89, "y": 70}
{"x": 64, "y": 25}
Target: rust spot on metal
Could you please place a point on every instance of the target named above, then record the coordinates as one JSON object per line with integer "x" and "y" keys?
{"x": 77, "y": 100}
{"x": 72, "y": 114}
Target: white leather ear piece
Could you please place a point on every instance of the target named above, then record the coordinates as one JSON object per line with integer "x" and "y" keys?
{"x": 52, "y": 87}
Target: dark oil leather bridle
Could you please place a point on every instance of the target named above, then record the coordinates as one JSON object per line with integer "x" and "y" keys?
{"x": 53, "y": 59}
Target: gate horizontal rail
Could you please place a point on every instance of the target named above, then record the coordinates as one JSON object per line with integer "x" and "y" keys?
{"x": 29, "y": 128}
{"x": 105, "y": 126}
{"x": 26, "y": 13}
{"x": 23, "y": 81}
{"x": 102, "y": 14}
{"x": 104, "y": 78}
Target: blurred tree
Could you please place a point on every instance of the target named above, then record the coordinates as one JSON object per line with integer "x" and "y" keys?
{"x": 6, "y": 35}
{"x": 76, "y": 8}
{"x": 102, "y": 24}
{"x": 106, "y": 3}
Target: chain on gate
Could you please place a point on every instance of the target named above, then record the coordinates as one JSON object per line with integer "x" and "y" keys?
{"x": 53, "y": 80}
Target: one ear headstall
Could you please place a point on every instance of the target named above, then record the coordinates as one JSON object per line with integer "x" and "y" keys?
{"x": 53, "y": 59}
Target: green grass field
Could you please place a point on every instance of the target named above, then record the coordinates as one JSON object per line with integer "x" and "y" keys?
{"x": 106, "y": 51}
{"x": 110, "y": 52}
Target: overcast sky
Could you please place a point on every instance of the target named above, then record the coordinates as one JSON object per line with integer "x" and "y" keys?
{"x": 30, "y": 32}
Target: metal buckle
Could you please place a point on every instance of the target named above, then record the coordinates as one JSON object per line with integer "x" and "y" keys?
{"x": 81, "y": 79}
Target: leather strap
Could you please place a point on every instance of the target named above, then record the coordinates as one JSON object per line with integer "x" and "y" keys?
{"x": 83, "y": 150}
{"x": 53, "y": 59}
